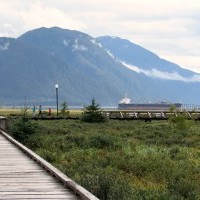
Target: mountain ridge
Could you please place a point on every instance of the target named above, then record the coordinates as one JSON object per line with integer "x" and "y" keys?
{"x": 86, "y": 68}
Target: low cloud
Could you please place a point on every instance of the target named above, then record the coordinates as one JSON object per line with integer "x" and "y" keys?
{"x": 154, "y": 73}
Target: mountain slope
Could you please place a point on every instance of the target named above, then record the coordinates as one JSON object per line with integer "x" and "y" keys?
{"x": 109, "y": 78}
{"x": 138, "y": 56}
{"x": 34, "y": 62}
{"x": 26, "y": 71}
{"x": 34, "y": 71}
{"x": 176, "y": 83}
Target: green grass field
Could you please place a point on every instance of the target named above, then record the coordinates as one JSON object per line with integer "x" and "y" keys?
{"x": 125, "y": 159}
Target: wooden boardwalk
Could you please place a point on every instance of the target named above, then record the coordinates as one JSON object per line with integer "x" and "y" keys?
{"x": 149, "y": 115}
{"x": 23, "y": 178}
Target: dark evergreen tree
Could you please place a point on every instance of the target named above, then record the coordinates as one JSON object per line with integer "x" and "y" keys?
{"x": 22, "y": 127}
{"x": 93, "y": 113}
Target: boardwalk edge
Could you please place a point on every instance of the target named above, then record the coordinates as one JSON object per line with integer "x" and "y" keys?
{"x": 82, "y": 192}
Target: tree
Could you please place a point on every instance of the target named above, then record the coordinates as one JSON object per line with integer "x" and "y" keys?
{"x": 22, "y": 127}
{"x": 172, "y": 109}
{"x": 92, "y": 113}
{"x": 64, "y": 109}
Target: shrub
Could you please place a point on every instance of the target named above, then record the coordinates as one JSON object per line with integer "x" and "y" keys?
{"x": 48, "y": 155}
{"x": 182, "y": 188}
{"x": 64, "y": 109}
{"x": 22, "y": 128}
{"x": 101, "y": 141}
{"x": 181, "y": 123}
{"x": 92, "y": 113}
{"x": 107, "y": 185}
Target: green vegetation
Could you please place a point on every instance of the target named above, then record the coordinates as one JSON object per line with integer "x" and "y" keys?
{"x": 92, "y": 113}
{"x": 64, "y": 109}
{"x": 122, "y": 160}
{"x": 22, "y": 127}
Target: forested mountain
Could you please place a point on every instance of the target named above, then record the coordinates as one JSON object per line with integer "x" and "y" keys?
{"x": 105, "y": 68}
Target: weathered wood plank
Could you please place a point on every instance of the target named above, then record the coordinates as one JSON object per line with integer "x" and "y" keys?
{"x": 22, "y": 178}
{"x": 32, "y": 192}
{"x": 77, "y": 189}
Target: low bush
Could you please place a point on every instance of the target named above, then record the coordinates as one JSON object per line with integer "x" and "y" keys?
{"x": 21, "y": 128}
{"x": 181, "y": 123}
{"x": 64, "y": 109}
{"x": 92, "y": 113}
{"x": 101, "y": 141}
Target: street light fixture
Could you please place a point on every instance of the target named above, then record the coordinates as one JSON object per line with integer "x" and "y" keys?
{"x": 56, "y": 86}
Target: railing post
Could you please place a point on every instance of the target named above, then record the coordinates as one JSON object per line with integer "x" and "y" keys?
{"x": 2, "y": 123}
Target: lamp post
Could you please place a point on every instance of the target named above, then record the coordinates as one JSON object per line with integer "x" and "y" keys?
{"x": 56, "y": 86}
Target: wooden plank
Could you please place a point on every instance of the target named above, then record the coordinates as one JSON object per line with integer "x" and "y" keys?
{"x": 55, "y": 172}
{"x": 22, "y": 178}
{"x": 30, "y": 187}
{"x": 10, "y": 197}
{"x": 32, "y": 192}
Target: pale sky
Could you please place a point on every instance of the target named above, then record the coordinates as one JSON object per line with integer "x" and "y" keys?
{"x": 171, "y": 29}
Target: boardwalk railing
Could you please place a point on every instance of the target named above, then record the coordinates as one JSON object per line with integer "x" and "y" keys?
{"x": 149, "y": 115}
{"x": 2, "y": 122}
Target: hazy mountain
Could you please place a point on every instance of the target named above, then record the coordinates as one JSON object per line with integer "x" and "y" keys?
{"x": 26, "y": 71}
{"x": 105, "y": 68}
{"x": 38, "y": 63}
{"x": 138, "y": 56}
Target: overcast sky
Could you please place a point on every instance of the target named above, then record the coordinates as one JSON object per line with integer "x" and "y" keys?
{"x": 171, "y": 29}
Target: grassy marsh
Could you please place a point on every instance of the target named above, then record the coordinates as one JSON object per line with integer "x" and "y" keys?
{"x": 124, "y": 159}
